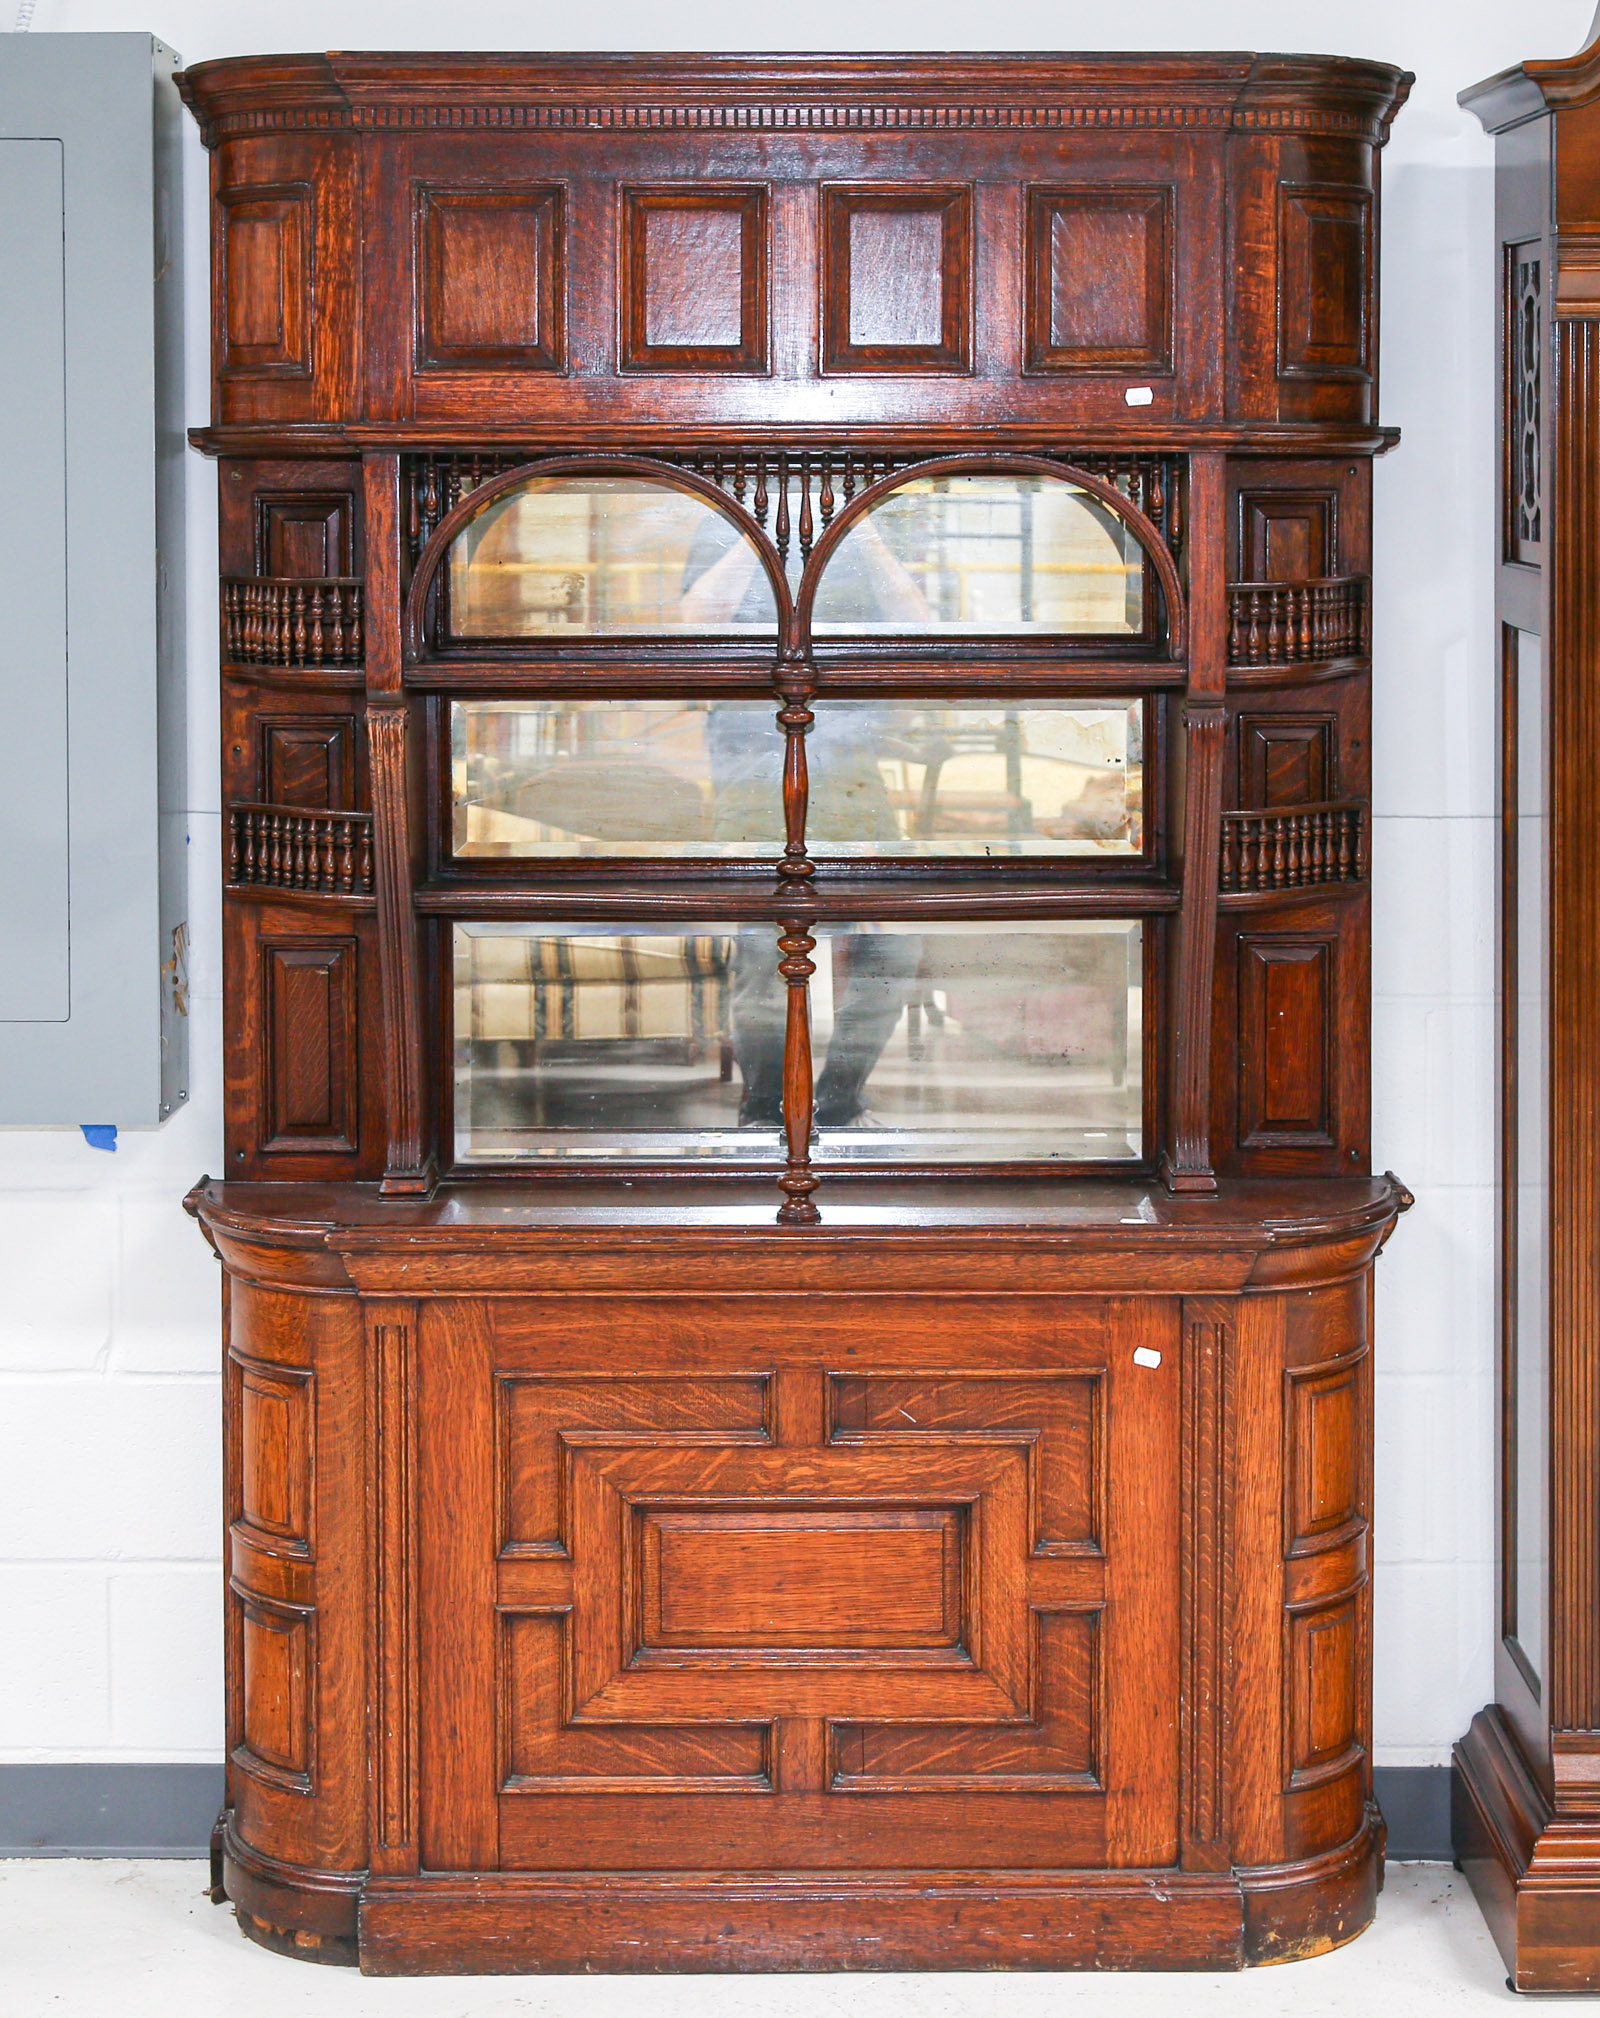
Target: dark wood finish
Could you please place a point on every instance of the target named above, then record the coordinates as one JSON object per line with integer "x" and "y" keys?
{"x": 941, "y": 1567}
{"x": 490, "y": 279}
{"x": 694, "y": 279}
{"x": 1527, "y": 1815}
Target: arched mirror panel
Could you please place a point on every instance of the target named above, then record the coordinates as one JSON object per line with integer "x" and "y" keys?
{"x": 996, "y": 554}
{"x": 596, "y": 556}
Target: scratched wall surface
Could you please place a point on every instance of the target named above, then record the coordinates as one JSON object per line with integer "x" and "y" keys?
{"x": 109, "y": 1479}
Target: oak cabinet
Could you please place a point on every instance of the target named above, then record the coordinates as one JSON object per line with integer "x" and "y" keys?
{"x": 798, "y": 1219}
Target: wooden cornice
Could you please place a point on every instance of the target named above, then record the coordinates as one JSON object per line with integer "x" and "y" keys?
{"x": 474, "y": 90}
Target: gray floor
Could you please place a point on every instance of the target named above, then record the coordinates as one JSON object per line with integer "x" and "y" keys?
{"x": 115, "y": 1939}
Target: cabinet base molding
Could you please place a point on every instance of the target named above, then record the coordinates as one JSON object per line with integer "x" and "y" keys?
{"x": 1535, "y": 1873}
{"x": 643, "y": 1923}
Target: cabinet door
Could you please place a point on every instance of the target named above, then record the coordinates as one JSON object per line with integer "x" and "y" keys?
{"x": 839, "y": 1582}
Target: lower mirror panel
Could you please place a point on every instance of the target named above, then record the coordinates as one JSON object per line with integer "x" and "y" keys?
{"x": 932, "y": 1043}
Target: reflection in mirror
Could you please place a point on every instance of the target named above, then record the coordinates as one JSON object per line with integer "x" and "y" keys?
{"x": 704, "y": 778}
{"x": 977, "y": 1043}
{"x": 934, "y": 1043}
{"x": 583, "y": 1042}
{"x": 583, "y": 778}
{"x": 1532, "y": 1204}
{"x": 580, "y": 557}
{"x": 1052, "y": 779}
{"x": 985, "y": 555}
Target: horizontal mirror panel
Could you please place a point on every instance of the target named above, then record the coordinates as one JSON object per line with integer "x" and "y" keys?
{"x": 978, "y": 1043}
{"x": 567, "y": 779}
{"x": 1052, "y": 779}
{"x": 985, "y": 556}
{"x": 595, "y": 557}
{"x": 559, "y": 779}
{"x": 932, "y": 1043}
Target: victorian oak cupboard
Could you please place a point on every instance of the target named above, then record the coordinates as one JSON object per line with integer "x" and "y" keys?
{"x": 798, "y": 1224}
{"x": 1527, "y": 1773}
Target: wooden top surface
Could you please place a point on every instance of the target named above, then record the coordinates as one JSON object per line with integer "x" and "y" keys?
{"x": 1251, "y": 1214}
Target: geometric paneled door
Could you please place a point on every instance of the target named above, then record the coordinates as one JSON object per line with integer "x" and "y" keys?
{"x": 806, "y": 1593}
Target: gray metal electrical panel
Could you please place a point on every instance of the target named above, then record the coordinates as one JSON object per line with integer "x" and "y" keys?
{"x": 93, "y": 879}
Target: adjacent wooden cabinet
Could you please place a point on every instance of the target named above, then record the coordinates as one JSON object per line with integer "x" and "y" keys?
{"x": 798, "y": 1221}
{"x": 1527, "y": 1779}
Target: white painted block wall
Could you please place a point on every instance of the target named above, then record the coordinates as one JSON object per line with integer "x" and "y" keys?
{"x": 109, "y": 1474}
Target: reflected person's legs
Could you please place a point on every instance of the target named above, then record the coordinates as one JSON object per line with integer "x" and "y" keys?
{"x": 759, "y": 1012}
{"x": 881, "y": 971}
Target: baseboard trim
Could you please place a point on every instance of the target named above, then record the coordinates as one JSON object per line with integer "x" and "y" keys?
{"x": 167, "y": 1811}
{"x": 108, "y": 1810}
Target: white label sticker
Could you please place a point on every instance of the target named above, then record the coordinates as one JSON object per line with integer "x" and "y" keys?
{"x": 1138, "y": 395}
{"x": 1146, "y": 1355}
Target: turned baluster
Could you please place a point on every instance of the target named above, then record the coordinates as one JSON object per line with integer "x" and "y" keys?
{"x": 364, "y": 861}
{"x": 780, "y": 525}
{"x": 738, "y": 478}
{"x": 806, "y": 526}
{"x": 760, "y": 500}
{"x": 825, "y": 492}
{"x": 1249, "y": 854}
{"x": 1304, "y": 635}
{"x": 798, "y": 1181}
{"x": 849, "y": 485}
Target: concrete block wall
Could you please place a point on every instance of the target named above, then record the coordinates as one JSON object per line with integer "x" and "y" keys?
{"x": 109, "y": 1503}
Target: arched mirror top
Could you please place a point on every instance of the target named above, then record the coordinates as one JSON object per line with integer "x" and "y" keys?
{"x": 598, "y": 549}
{"x": 1003, "y": 548}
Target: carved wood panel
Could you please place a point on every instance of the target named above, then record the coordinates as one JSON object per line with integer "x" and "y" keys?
{"x": 304, "y": 535}
{"x": 1099, "y": 279}
{"x": 265, "y": 254}
{"x": 1285, "y": 1041}
{"x": 275, "y": 1455}
{"x": 1324, "y": 257}
{"x": 1288, "y": 536}
{"x": 490, "y": 278}
{"x": 309, "y": 1022}
{"x": 787, "y": 1584}
{"x": 277, "y": 1665}
{"x": 1287, "y": 760}
{"x": 308, "y": 760}
{"x": 694, "y": 278}
{"x": 896, "y": 278}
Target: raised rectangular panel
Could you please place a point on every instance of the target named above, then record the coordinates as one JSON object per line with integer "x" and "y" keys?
{"x": 1285, "y": 1039}
{"x": 694, "y": 278}
{"x": 266, "y": 309}
{"x": 34, "y": 975}
{"x": 490, "y": 278}
{"x": 310, "y": 1025}
{"x": 303, "y": 536}
{"x": 1285, "y": 760}
{"x": 896, "y": 279}
{"x": 1099, "y": 279}
{"x": 1324, "y": 1460}
{"x": 810, "y": 1521}
{"x": 801, "y": 1576}
{"x": 541, "y": 1420}
{"x": 308, "y": 762}
{"x": 1324, "y": 263}
{"x": 544, "y": 1752}
{"x": 1324, "y": 1708}
{"x": 1288, "y": 536}
{"x": 275, "y": 1455}
{"x": 93, "y": 830}
{"x": 275, "y": 1650}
